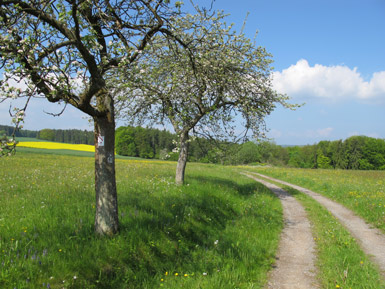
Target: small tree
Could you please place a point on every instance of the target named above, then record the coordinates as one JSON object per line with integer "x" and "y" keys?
{"x": 47, "y": 134}
{"x": 248, "y": 153}
{"x": 202, "y": 82}
{"x": 65, "y": 51}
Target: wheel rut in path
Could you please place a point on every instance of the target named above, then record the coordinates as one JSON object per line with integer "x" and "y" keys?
{"x": 294, "y": 267}
{"x": 371, "y": 240}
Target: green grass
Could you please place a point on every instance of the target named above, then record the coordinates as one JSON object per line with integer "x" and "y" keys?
{"x": 54, "y": 152}
{"x": 361, "y": 191}
{"x": 21, "y": 139}
{"x": 220, "y": 230}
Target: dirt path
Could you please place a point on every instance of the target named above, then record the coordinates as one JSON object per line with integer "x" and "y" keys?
{"x": 294, "y": 267}
{"x": 372, "y": 240}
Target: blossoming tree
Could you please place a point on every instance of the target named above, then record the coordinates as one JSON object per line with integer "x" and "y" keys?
{"x": 65, "y": 51}
{"x": 205, "y": 82}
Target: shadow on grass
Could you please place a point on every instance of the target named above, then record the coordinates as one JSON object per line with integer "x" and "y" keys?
{"x": 288, "y": 189}
{"x": 189, "y": 217}
{"x": 246, "y": 189}
{"x": 170, "y": 230}
{"x": 291, "y": 191}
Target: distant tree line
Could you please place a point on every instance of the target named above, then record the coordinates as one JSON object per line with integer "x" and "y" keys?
{"x": 356, "y": 152}
{"x": 9, "y": 130}
{"x": 74, "y": 136}
{"x": 154, "y": 143}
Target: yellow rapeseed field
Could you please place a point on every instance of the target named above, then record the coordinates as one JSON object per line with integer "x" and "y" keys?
{"x": 57, "y": 146}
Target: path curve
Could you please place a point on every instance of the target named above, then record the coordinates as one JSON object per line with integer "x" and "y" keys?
{"x": 371, "y": 240}
{"x": 294, "y": 267}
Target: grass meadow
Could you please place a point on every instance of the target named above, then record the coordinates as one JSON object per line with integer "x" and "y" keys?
{"x": 220, "y": 230}
{"x": 361, "y": 191}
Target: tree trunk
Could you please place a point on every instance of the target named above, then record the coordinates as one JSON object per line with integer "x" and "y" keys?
{"x": 182, "y": 160}
{"x": 106, "y": 217}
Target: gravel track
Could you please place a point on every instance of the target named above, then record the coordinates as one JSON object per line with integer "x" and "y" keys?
{"x": 371, "y": 240}
{"x": 294, "y": 267}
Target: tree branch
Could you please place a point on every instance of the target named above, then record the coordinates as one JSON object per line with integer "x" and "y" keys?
{"x": 51, "y": 49}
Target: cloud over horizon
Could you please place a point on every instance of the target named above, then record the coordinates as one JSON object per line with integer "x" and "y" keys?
{"x": 328, "y": 82}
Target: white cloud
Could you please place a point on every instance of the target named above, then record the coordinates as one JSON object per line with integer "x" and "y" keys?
{"x": 312, "y": 133}
{"x": 274, "y": 133}
{"x": 324, "y": 132}
{"x": 328, "y": 82}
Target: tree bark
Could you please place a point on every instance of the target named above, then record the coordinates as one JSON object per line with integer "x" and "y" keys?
{"x": 106, "y": 216}
{"x": 182, "y": 160}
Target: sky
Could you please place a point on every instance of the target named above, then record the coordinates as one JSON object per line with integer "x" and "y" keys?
{"x": 329, "y": 55}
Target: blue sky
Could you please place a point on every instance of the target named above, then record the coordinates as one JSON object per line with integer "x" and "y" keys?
{"x": 328, "y": 54}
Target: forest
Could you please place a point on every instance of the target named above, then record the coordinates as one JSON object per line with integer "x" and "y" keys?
{"x": 353, "y": 153}
{"x": 356, "y": 152}
{"x": 10, "y": 130}
{"x": 74, "y": 136}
